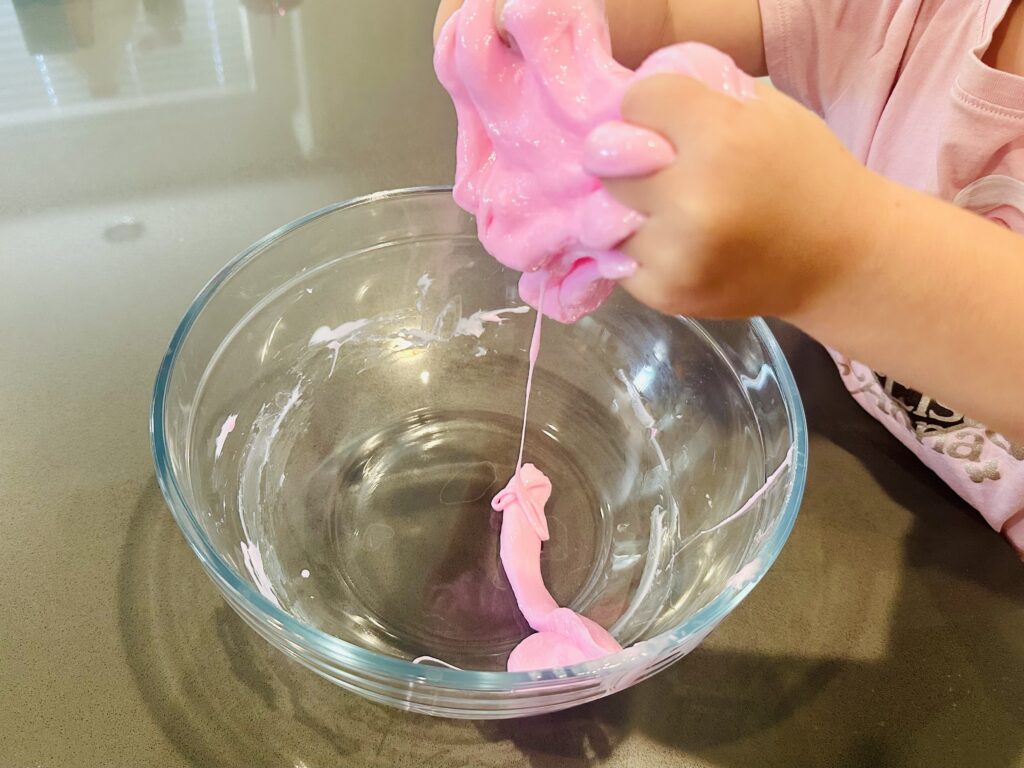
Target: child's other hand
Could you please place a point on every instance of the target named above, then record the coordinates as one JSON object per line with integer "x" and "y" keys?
{"x": 448, "y": 7}
{"x": 758, "y": 214}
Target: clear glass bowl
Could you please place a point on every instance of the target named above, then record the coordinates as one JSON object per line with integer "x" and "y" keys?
{"x": 341, "y": 402}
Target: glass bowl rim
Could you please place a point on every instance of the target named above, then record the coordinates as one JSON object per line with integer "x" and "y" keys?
{"x": 242, "y": 594}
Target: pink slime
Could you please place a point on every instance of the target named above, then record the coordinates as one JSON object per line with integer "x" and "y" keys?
{"x": 563, "y": 636}
{"x": 539, "y": 123}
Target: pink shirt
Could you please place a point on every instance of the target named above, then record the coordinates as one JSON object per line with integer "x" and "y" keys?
{"x": 902, "y": 83}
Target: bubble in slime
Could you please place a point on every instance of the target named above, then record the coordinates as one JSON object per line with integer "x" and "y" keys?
{"x": 539, "y": 120}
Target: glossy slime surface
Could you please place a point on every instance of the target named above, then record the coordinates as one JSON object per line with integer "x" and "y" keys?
{"x": 563, "y": 636}
{"x": 539, "y": 122}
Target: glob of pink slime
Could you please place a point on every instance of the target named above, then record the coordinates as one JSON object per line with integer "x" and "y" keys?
{"x": 539, "y": 113}
{"x": 563, "y": 636}
{"x": 539, "y": 122}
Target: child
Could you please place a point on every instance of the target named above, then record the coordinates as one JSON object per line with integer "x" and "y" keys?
{"x": 895, "y": 237}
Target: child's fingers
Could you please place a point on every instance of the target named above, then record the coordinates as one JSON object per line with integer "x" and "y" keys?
{"x": 677, "y": 107}
{"x": 667, "y": 116}
{"x": 642, "y": 194}
{"x": 666, "y": 276}
{"x": 616, "y": 149}
{"x": 647, "y": 287}
{"x": 651, "y": 247}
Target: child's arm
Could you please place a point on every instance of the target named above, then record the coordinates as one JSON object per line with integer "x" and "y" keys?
{"x": 639, "y": 27}
{"x": 934, "y": 297}
{"x": 765, "y": 213}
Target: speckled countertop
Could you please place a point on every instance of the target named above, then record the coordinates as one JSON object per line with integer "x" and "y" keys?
{"x": 142, "y": 144}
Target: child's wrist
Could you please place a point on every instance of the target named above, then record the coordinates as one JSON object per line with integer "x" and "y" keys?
{"x": 843, "y": 251}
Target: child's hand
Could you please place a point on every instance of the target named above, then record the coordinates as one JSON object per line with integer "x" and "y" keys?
{"x": 754, "y": 214}
{"x": 763, "y": 212}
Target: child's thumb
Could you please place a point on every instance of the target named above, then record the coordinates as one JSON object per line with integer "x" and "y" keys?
{"x": 675, "y": 106}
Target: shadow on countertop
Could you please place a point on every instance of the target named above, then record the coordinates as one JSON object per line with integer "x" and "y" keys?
{"x": 947, "y": 692}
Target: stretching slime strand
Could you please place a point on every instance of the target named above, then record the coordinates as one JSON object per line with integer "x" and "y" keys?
{"x": 539, "y": 120}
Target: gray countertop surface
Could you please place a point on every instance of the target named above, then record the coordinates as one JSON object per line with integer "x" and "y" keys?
{"x": 143, "y": 144}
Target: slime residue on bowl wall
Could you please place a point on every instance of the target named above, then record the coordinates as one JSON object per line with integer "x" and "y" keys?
{"x": 528, "y": 171}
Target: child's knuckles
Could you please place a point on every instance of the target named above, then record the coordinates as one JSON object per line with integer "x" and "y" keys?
{"x": 640, "y": 102}
{"x": 636, "y": 193}
{"x": 648, "y": 286}
{"x": 659, "y": 101}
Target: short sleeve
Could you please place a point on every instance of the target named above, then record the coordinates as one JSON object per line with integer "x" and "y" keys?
{"x": 816, "y": 49}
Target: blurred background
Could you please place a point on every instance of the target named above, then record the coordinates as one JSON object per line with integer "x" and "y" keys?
{"x": 106, "y": 99}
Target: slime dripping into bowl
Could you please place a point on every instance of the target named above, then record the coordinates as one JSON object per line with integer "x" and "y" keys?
{"x": 370, "y": 361}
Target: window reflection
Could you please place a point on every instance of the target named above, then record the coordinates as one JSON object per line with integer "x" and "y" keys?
{"x": 98, "y": 55}
{"x": 207, "y": 94}
{"x": 271, "y": 7}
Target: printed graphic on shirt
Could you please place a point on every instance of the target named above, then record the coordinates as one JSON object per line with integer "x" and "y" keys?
{"x": 983, "y": 456}
{"x": 944, "y": 430}
{"x": 980, "y": 452}
{"x": 927, "y": 417}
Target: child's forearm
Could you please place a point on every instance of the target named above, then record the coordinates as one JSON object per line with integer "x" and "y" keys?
{"x": 640, "y": 27}
{"x": 934, "y": 297}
